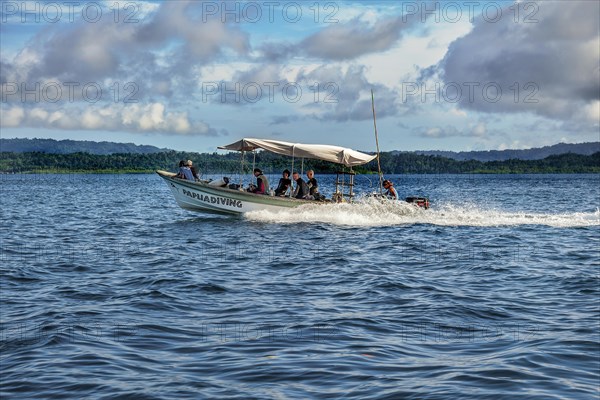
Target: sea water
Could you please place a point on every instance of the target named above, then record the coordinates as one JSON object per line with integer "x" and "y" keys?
{"x": 108, "y": 289}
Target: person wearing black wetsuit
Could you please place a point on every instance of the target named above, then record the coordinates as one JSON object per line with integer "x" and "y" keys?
{"x": 284, "y": 184}
{"x": 301, "y": 187}
{"x": 313, "y": 186}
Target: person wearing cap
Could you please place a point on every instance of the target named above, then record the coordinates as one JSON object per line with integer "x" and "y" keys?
{"x": 262, "y": 183}
{"x": 284, "y": 184}
{"x": 391, "y": 191}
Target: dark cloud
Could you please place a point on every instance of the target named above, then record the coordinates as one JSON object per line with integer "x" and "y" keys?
{"x": 355, "y": 38}
{"x": 203, "y": 36}
{"x": 284, "y": 119}
{"x": 276, "y": 52}
{"x": 553, "y": 63}
{"x": 165, "y": 47}
{"x": 342, "y": 41}
{"x": 149, "y": 62}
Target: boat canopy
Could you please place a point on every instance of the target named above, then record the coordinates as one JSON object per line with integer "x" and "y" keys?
{"x": 335, "y": 154}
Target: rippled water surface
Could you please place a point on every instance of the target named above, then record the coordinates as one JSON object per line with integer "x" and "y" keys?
{"x": 109, "y": 290}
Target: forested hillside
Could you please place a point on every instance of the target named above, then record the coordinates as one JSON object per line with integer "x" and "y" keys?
{"x": 391, "y": 163}
{"x": 73, "y": 146}
{"x": 77, "y": 146}
{"x": 536, "y": 153}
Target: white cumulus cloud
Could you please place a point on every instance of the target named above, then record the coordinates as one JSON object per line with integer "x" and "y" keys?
{"x": 151, "y": 117}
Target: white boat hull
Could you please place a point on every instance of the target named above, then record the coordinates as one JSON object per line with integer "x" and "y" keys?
{"x": 202, "y": 197}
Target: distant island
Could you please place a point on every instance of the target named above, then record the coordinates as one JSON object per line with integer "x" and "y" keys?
{"x": 71, "y": 156}
{"x": 536, "y": 153}
{"x": 52, "y": 146}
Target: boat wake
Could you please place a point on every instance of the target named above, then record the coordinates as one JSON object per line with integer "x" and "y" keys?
{"x": 371, "y": 212}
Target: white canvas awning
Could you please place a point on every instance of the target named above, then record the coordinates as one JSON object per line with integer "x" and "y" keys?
{"x": 335, "y": 154}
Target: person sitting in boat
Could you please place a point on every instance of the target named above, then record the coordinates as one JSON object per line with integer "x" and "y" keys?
{"x": 301, "y": 191}
{"x": 180, "y": 170}
{"x": 262, "y": 183}
{"x": 194, "y": 170}
{"x": 185, "y": 171}
{"x": 313, "y": 186}
{"x": 284, "y": 184}
{"x": 390, "y": 190}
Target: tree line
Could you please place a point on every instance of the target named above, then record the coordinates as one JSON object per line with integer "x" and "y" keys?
{"x": 391, "y": 163}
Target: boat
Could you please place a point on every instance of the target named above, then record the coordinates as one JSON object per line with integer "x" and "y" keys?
{"x": 224, "y": 198}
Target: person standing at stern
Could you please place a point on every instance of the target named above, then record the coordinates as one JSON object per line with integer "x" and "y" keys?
{"x": 391, "y": 192}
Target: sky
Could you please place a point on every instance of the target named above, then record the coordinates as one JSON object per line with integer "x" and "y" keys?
{"x": 193, "y": 75}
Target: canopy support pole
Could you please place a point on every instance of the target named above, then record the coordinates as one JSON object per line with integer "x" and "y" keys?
{"x": 302, "y": 167}
{"x": 351, "y": 185}
{"x": 242, "y": 170}
{"x": 292, "y": 185}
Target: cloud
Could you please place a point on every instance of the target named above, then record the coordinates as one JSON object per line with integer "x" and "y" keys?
{"x": 163, "y": 53}
{"x": 549, "y": 67}
{"x": 346, "y": 94}
{"x": 152, "y": 62}
{"x": 324, "y": 92}
{"x": 259, "y": 83}
{"x": 366, "y": 33}
{"x": 284, "y": 119}
{"x": 478, "y": 130}
{"x": 355, "y": 38}
{"x": 12, "y": 117}
{"x": 163, "y": 46}
{"x": 276, "y": 52}
{"x": 203, "y": 36}
{"x": 129, "y": 118}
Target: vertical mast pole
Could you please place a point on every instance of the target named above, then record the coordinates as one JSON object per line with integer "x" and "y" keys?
{"x": 377, "y": 143}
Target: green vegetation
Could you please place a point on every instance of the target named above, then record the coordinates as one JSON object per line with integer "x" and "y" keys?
{"x": 391, "y": 163}
{"x": 18, "y": 145}
{"x": 411, "y": 163}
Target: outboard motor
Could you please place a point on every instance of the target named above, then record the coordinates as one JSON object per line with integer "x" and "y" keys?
{"x": 419, "y": 201}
